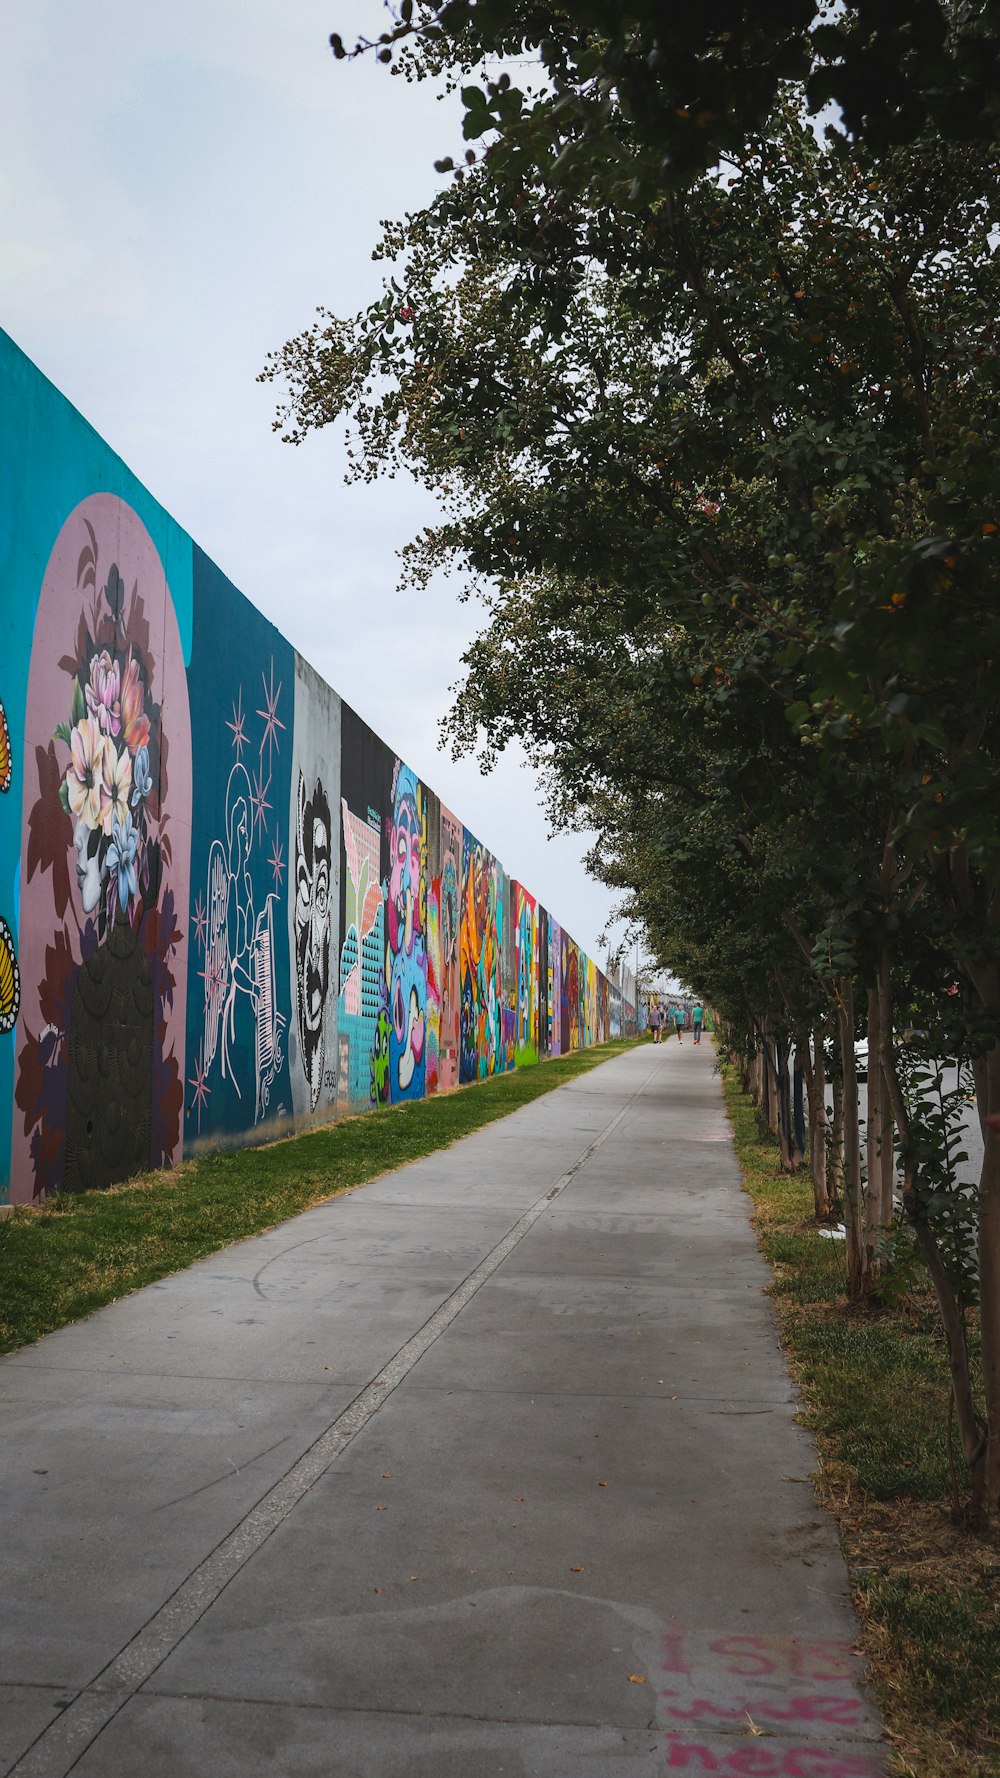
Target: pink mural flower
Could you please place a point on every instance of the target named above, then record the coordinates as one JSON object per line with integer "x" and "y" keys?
{"x": 120, "y": 787}
{"x": 134, "y": 716}
{"x": 88, "y": 777}
{"x": 102, "y": 693}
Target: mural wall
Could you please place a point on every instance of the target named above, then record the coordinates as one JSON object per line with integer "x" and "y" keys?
{"x": 227, "y": 909}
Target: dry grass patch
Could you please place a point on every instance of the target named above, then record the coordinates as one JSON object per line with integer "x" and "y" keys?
{"x": 875, "y": 1387}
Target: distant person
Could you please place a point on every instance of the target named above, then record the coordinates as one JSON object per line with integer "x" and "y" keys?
{"x": 655, "y": 1022}
{"x": 679, "y": 1021}
{"x": 697, "y": 1019}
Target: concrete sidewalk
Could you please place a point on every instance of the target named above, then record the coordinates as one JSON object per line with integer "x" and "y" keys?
{"x": 487, "y": 1468}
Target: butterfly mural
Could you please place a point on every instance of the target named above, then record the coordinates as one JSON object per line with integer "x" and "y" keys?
{"x": 5, "y": 754}
{"x": 10, "y": 980}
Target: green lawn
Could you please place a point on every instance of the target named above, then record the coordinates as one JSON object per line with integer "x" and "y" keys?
{"x": 876, "y": 1386}
{"x": 79, "y": 1252}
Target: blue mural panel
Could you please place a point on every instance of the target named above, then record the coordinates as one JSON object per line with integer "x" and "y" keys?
{"x": 242, "y": 692}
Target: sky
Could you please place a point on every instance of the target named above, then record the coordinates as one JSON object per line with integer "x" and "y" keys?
{"x": 180, "y": 188}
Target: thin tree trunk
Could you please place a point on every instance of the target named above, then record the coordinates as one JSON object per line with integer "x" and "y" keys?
{"x": 853, "y": 1207}
{"x": 888, "y": 1156}
{"x": 799, "y": 1121}
{"x": 815, "y": 1079}
{"x": 784, "y": 1104}
{"x": 989, "y": 1283}
{"x": 884, "y": 1034}
{"x": 980, "y": 1081}
{"x": 772, "y": 1080}
{"x": 762, "y": 1083}
{"x": 873, "y": 1197}
{"x": 835, "y": 1152}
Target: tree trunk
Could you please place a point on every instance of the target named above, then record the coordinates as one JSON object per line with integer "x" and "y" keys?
{"x": 835, "y": 1152}
{"x": 783, "y": 1097}
{"x": 761, "y": 1083}
{"x": 980, "y": 1081}
{"x": 798, "y": 1100}
{"x": 989, "y": 1283}
{"x": 874, "y": 1222}
{"x": 814, "y": 1072}
{"x": 888, "y": 1156}
{"x": 853, "y": 1206}
{"x": 884, "y": 1033}
{"x": 771, "y": 1066}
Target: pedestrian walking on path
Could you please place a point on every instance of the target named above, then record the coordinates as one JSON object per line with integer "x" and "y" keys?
{"x": 697, "y": 1016}
{"x": 488, "y": 1467}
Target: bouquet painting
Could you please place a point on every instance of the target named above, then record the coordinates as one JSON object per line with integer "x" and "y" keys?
{"x": 103, "y": 952}
{"x": 108, "y": 789}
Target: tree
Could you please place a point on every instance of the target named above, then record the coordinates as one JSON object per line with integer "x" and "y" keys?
{"x": 731, "y": 452}
{"x": 694, "y": 83}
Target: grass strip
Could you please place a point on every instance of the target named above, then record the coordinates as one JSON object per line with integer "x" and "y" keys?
{"x": 875, "y": 1383}
{"x": 78, "y": 1252}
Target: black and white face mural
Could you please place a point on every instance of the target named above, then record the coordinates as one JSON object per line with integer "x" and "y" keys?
{"x": 313, "y": 899}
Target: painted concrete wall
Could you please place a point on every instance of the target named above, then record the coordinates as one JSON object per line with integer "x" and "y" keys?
{"x": 227, "y": 908}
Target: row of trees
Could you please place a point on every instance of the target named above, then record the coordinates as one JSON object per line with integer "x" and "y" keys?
{"x": 709, "y": 394}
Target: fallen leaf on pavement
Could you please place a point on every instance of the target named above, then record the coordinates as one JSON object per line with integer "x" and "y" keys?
{"x": 637, "y": 1679}
{"x": 380, "y": 1509}
{"x": 578, "y": 1571}
{"x": 386, "y": 1473}
{"x": 602, "y": 1484}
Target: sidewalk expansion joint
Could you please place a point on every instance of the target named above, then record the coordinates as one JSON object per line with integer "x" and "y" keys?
{"x": 62, "y": 1743}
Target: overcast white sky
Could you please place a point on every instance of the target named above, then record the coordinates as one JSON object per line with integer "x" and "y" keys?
{"x": 180, "y": 187}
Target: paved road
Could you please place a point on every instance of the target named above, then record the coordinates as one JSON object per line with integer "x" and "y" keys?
{"x": 487, "y": 1468}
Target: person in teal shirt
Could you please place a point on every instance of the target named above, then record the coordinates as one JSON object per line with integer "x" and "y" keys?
{"x": 697, "y": 1018}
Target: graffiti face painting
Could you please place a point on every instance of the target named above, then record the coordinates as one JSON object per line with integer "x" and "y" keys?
{"x": 313, "y": 855}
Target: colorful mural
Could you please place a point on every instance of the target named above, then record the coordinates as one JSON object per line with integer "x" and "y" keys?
{"x": 554, "y": 986}
{"x": 482, "y": 1037}
{"x": 406, "y": 950}
{"x": 444, "y": 919}
{"x": 526, "y": 944}
{"x": 227, "y": 909}
{"x": 366, "y": 773}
